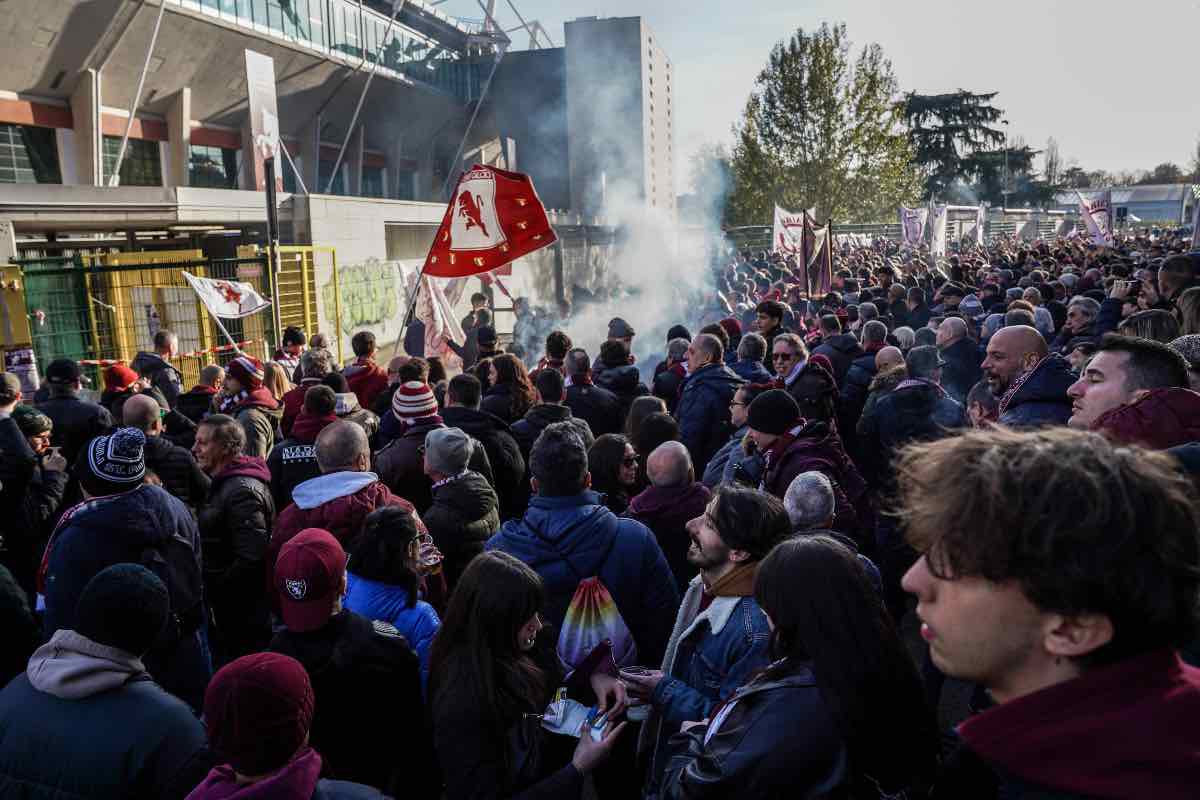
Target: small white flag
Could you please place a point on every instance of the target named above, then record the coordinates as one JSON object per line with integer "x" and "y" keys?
{"x": 1097, "y": 216}
{"x": 227, "y": 299}
{"x": 788, "y": 233}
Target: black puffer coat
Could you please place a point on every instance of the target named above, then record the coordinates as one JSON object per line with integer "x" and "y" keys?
{"x": 465, "y": 514}
{"x": 177, "y": 469}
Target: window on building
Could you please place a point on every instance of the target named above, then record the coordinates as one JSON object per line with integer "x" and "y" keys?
{"x": 406, "y": 184}
{"x": 142, "y": 165}
{"x": 28, "y": 155}
{"x": 212, "y": 167}
{"x": 372, "y": 182}
{"x": 289, "y": 176}
{"x": 339, "y": 183}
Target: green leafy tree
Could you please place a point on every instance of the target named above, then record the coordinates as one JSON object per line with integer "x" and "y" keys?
{"x": 823, "y": 128}
{"x": 946, "y": 130}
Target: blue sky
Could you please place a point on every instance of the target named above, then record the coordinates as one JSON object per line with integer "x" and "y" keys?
{"x": 1113, "y": 82}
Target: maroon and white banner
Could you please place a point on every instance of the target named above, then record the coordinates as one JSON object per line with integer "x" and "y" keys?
{"x": 912, "y": 225}
{"x": 787, "y": 235}
{"x": 818, "y": 257}
{"x": 1097, "y": 216}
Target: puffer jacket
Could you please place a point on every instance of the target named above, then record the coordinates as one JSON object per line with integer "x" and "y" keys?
{"x": 337, "y": 502}
{"x": 76, "y": 422}
{"x": 294, "y": 460}
{"x": 774, "y": 738}
{"x": 623, "y": 381}
{"x": 528, "y": 428}
{"x": 235, "y": 529}
{"x": 87, "y": 720}
{"x": 347, "y": 408}
{"x": 464, "y": 514}
{"x": 722, "y": 465}
{"x": 1039, "y": 397}
{"x": 162, "y": 374}
{"x": 417, "y": 623}
{"x": 841, "y": 350}
{"x": 703, "y": 411}
{"x": 1162, "y": 419}
{"x": 854, "y": 396}
{"x": 917, "y": 410}
{"x": 568, "y": 539}
{"x": 883, "y": 383}
{"x": 401, "y": 467}
{"x": 177, "y": 469}
{"x": 667, "y": 384}
{"x": 752, "y": 371}
{"x": 508, "y": 465}
{"x": 196, "y": 403}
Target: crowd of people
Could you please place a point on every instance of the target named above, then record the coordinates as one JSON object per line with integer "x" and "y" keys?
{"x": 757, "y": 569}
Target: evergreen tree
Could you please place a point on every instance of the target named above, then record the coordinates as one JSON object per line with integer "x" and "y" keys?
{"x": 946, "y": 130}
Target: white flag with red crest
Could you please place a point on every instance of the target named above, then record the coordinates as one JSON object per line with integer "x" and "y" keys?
{"x": 227, "y": 299}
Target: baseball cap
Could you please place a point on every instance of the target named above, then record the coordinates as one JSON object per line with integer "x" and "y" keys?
{"x": 308, "y": 576}
{"x": 62, "y": 371}
{"x": 619, "y": 329}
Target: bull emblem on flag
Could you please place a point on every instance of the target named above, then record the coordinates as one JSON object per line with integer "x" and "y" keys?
{"x": 470, "y": 208}
{"x": 229, "y": 293}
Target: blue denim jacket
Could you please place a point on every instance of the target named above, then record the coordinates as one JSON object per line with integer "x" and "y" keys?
{"x": 710, "y": 655}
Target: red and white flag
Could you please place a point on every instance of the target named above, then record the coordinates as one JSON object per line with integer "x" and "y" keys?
{"x": 912, "y": 225}
{"x": 227, "y": 299}
{"x": 787, "y": 235}
{"x": 494, "y": 218}
{"x": 1097, "y": 216}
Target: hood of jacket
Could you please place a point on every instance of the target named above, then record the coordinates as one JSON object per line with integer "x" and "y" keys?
{"x": 296, "y": 781}
{"x": 844, "y": 343}
{"x": 307, "y": 426}
{"x": 1046, "y": 383}
{"x": 471, "y": 496}
{"x": 752, "y": 371}
{"x": 1163, "y": 418}
{"x": 146, "y": 362}
{"x": 359, "y": 368}
{"x": 716, "y": 377}
{"x": 473, "y": 421}
{"x": 545, "y": 414}
{"x": 245, "y": 467}
{"x": 347, "y": 403}
{"x": 1112, "y": 732}
{"x": 71, "y": 666}
{"x": 323, "y": 488}
{"x": 865, "y": 362}
{"x": 658, "y": 500}
{"x": 889, "y": 379}
{"x": 621, "y": 380}
{"x": 578, "y": 529}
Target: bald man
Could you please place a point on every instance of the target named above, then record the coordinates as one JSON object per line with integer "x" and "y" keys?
{"x": 173, "y": 466}
{"x": 673, "y": 498}
{"x": 962, "y": 358}
{"x": 888, "y": 358}
{"x": 1030, "y": 382}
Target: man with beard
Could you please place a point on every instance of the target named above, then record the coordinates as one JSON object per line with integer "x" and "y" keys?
{"x": 1030, "y": 381}
{"x": 721, "y": 635}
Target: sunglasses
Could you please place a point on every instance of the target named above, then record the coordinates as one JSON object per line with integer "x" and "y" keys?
{"x": 782, "y": 356}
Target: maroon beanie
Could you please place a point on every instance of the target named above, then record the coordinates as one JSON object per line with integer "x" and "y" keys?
{"x": 258, "y": 710}
{"x": 247, "y": 370}
{"x": 732, "y": 328}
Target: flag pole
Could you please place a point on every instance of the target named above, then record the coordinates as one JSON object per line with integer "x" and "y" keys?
{"x": 412, "y": 305}
{"x": 217, "y": 320}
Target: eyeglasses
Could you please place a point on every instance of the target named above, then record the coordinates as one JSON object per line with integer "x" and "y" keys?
{"x": 782, "y": 356}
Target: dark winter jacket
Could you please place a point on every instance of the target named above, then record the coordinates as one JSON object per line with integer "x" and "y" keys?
{"x": 508, "y": 465}
{"x": 854, "y": 395}
{"x": 161, "y": 373}
{"x": 235, "y": 528}
{"x": 841, "y": 350}
{"x": 463, "y": 516}
{"x": 294, "y": 460}
{"x": 881, "y": 385}
{"x": 337, "y": 502}
{"x": 300, "y": 779}
{"x": 1162, "y": 419}
{"x": 962, "y": 370}
{"x": 86, "y": 720}
{"x": 401, "y": 467}
{"x": 499, "y": 401}
{"x": 1067, "y": 339}
{"x": 1039, "y": 397}
{"x": 22, "y": 634}
{"x": 703, "y": 411}
{"x": 919, "y": 317}
{"x": 367, "y": 380}
{"x": 19, "y": 472}
{"x": 39, "y": 508}
{"x": 366, "y": 679}
{"x": 76, "y": 422}
{"x": 668, "y": 384}
{"x": 752, "y": 371}
{"x": 568, "y": 539}
{"x": 196, "y": 403}
{"x": 916, "y": 410}
{"x": 1112, "y": 732}
{"x": 626, "y": 383}
{"x": 818, "y": 448}
{"x": 666, "y": 511}
{"x": 775, "y": 738}
{"x": 1109, "y": 318}
{"x": 721, "y": 466}
{"x": 348, "y": 409}
{"x": 127, "y": 528}
{"x": 177, "y": 469}
{"x": 597, "y": 406}
{"x": 527, "y": 429}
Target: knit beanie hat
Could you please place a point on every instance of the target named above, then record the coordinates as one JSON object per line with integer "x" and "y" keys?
{"x": 414, "y": 400}
{"x": 448, "y": 450}
{"x": 1187, "y": 346}
{"x": 112, "y": 464}
{"x": 679, "y": 332}
{"x": 732, "y": 328}
{"x": 247, "y": 370}
{"x": 773, "y": 412}
{"x": 258, "y": 710}
{"x": 30, "y": 421}
{"x": 125, "y": 606}
{"x": 119, "y": 377}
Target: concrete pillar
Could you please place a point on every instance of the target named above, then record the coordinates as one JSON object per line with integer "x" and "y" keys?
{"x": 89, "y": 142}
{"x": 355, "y": 159}
{"x": 179, "y": 134}
{"x": 310, "y": 154}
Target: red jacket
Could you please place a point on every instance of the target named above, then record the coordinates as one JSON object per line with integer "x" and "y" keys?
{"x": 367, "y": 380}
{"x": 1163, "y": 418}
{"x": 293, "y": 403}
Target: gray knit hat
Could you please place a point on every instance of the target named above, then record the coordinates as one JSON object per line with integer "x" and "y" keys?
{"x": 448, "y": 450}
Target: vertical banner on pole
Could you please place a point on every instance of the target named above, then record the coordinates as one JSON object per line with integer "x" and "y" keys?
{"x": 264, "y": 116}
